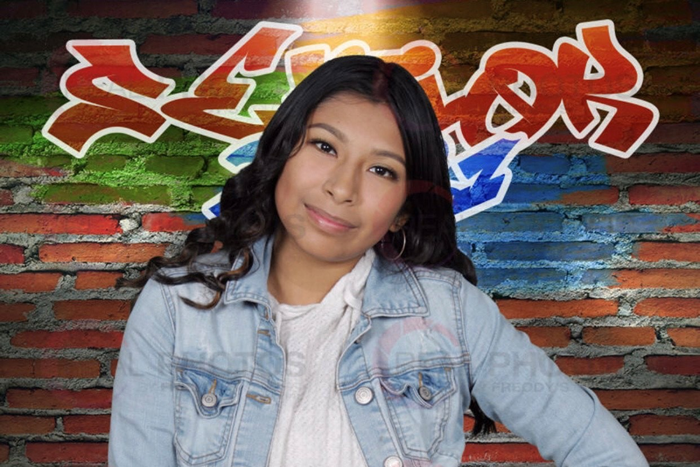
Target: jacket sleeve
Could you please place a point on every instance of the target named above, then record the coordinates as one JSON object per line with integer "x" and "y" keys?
{"x": 517, "y": 384}
{"x": 142, "y": 422}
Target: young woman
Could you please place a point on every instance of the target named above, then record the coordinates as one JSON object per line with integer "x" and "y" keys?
{"x": 338, "y": 324}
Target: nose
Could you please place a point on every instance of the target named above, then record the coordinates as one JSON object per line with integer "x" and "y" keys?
{"x": 342, "y": 184}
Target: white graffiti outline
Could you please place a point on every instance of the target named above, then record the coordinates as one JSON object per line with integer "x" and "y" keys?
{"x": 113, "y": 88}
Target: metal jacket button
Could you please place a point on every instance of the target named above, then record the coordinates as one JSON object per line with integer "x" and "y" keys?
{"x": 393, "y": 461}
{"x": 209, "y": 400}
{"x": 425, "y": 393}
{"x": 364, "y": 395}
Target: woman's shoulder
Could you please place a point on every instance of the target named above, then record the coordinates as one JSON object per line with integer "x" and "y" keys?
{"x": 208, "y": 264}
{"x": 443, "y": 280}
{"x": 438, "y": 274}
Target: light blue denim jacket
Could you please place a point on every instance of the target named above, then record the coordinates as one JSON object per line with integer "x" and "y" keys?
{"x": 202, "y": 387}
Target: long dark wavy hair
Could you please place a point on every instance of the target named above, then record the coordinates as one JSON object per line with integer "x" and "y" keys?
{"x": 248, "y": 211}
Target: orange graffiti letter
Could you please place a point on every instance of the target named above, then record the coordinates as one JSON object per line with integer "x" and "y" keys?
{"x": 214, "y": 103}
{"x": 603, "y": 76}
{"x": 110, "y": 91}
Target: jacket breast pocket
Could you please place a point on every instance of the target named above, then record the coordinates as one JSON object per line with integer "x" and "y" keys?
{"x": 205, "y": 409}
{"x": 419, "y": 405}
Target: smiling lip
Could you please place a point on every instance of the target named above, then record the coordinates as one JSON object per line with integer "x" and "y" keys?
{"x": 328, "y": 221}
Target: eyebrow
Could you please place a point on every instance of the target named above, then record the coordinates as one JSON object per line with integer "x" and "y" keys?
{"x": 341, "y": 136}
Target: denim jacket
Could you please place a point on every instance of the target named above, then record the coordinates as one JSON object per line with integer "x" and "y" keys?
{"x": 202, "y": 387}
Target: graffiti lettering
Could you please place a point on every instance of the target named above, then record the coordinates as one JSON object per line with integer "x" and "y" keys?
{"x": 110, "y": 91}
{"x": 515, "y": 96}
{"x": 215, "y": 103}
{"x": 561, "y": 83}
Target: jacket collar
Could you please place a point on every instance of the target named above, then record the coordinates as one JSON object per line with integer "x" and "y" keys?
{"x": 392, "y": 289}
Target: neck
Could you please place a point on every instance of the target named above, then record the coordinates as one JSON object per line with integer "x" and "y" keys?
{"x": 297, "y": 279}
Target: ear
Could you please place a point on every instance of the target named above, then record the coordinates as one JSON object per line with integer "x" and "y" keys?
{"x": 399, "y": 222}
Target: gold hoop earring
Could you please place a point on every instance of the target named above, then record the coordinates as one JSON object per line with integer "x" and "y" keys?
{"x": 403, "y": 247}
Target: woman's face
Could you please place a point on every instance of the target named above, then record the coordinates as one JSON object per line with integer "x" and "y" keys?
{"x": 344, "y": 188}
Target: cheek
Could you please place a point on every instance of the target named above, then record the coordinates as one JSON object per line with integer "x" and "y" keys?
{"x": 283, "y": 199}
{"x": 386, "y": 209}
{"x": 286, "y": 184}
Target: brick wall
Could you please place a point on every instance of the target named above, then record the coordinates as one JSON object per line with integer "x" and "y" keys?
{"x": 595, "y": 257}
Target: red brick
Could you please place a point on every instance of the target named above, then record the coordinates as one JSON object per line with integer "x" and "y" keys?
{"x": 198, "y": 44}
{"x": 166, "y": 222}
{"x": 539, "y": 9}
{"x": 685, "y": 228}
{"x": 26, "y": 424}
{"x": 591, "y": 197}
{"x": 671, "y": 452}
{"x": 30, "y": 281}
{"x": 603, "y": 8}
{"x": 548, "y": 336}
{"x": 662, "y": 194}
{"x": 590, "y": 366}
{"x": 18, "y": 77}
{"x": 90, "y": 424}
{"x": 74, "y": 452}
{"x": 167, "y": 72}
{"x": 633, "y": 43}
{"x": 113, "y": 367}
{"x": 619, "y": 336}
{"x": 27, "y": 43}
{"x": 15, "y": 9}
{"x": 685, "y": 337}
{"x": 694, "y": 227}
{"x": 59, "y": 398}
{"x": 657, "y": 278}
{"x": 100, "y": 252}
{"x": 654, "y": 163}
{"x": 675, "y": 108}
{"x": 480, "y": 41}
{"x": 657, "y": 251}
{"x": 12, "y": 312}
{"x": 253, "y": 9}
{"x": 6, "y": 198}
{"x": 665, "y": 12}
{"x": 11, "y": 254}
{"x": 558, "y": 134}
{"x": 104, "y": 310}
{"x": 648, "y": 424}
{"x": 669, "y": 307}
{"x": 73, "y": 339}
{"x": 49, "y": 368}
{"x": 671, "y": 45}
{"x": 633, "y": 399}
{"x": 520, "y": 309}
{"x": 96, "y": 280}
{"x": 4, "y": 452}
{"x": 674, "y": 364}
{"x": 12, "y": 169}
{"x": 672, "y": 80}
{"x": 79, "y": 224}
{"x": 675, "y": 133}
{"x": 497, "y": 452}
{"x": 133, "y": 8}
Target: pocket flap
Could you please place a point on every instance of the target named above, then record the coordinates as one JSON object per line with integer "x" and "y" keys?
{"x": 201, "y": 383}
{"x": 426, "y": 387}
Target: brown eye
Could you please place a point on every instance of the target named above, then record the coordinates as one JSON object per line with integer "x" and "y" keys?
{"x": 323, "y": 146}
{"x": 384, "y": 172}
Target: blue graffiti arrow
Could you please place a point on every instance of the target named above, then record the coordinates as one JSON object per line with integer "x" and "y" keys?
{"x": 480, "y": 176}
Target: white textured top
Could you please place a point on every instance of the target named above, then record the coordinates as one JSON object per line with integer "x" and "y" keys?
{"x": 312, "y": 427}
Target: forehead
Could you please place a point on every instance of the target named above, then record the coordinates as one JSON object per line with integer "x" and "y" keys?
{"x": 349, "y": 112}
